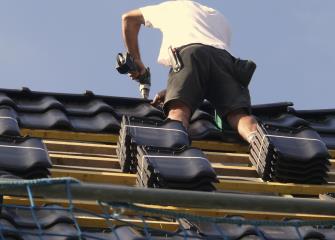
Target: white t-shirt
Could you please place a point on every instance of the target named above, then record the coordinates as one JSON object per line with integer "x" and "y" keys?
{"x": 185, "y": 22}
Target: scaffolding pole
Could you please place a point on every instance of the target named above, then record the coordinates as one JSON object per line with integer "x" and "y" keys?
{"x": 178, "y": 198}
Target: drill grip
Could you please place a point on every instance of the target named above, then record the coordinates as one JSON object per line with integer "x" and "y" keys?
{"x": 145, "y": 78}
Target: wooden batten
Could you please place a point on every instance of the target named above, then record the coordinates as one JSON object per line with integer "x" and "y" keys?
{"x": 96, "y": 177}
{"x": 241, "y": 171}
{"x": 67, "y": 135}
{"x": 274, "y": 187}
{"x": 95, "y": 208}
{"x": 223, "y": 185}
{"x": 228, "y": 158}
{"x": 332, "y": 153}
{"x": 95, "y": 222}
{"x": 220, "y": 146}
{"x": 84, "y": 161}
{"x": 80, "y": 147}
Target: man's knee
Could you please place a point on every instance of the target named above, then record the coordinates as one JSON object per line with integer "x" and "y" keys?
{"x": 235, "y": 116}
{"x": 179, "y": 111}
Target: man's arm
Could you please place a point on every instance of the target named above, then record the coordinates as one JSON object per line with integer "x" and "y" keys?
{"x": 131, "y": 24}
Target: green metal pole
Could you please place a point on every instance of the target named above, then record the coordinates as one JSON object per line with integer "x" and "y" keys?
{"x": 179, "y": 198}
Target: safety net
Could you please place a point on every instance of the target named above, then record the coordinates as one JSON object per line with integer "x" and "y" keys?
{"x": 51, "y": 209}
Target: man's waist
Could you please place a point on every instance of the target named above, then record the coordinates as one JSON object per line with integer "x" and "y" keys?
{"x": 218, "y": 47}
{"x": 164, "y": 56}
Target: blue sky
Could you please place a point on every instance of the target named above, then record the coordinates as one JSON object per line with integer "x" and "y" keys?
{"x": 70, "y": 46}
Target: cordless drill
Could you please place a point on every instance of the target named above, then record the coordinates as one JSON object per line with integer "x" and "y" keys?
{"x": 125, "y": 64}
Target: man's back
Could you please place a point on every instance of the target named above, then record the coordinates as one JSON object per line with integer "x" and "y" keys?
{"x": 185, "y": 22}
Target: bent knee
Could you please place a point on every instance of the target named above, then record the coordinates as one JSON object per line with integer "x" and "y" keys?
{"x": 235, "y": 116}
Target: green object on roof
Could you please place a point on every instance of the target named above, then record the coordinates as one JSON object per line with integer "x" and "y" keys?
{"x": 218, "y": 120}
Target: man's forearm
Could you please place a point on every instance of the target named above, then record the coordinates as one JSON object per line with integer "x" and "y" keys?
{"x": 131, "y": 24}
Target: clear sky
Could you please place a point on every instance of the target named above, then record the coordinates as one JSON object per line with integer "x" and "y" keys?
{"x": 70, "y": 46}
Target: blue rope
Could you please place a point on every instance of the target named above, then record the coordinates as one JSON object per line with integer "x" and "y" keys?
{"x": 106, "y": 215}
{"x": 225, "y": 237}
{"x": 185, "y": 235}
{"x": 145, "y": 228}
{"x": 259, "y": 233}
{"x": 1, "y": 234}
{"x": 140, "y": 211}
{"x": 32, "y": 209}
{"x": 299, "y": 234}
{"x": 69, "y": 195}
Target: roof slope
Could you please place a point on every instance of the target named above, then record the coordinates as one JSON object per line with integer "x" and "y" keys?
{"x": 80, "y": 132}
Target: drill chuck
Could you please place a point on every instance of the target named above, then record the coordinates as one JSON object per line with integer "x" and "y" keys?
{"x": 145, "y": 90}
{"x": 145, "y": 83}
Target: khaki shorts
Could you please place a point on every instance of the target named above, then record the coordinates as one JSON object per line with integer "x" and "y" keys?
{"x": 207, "y": 73}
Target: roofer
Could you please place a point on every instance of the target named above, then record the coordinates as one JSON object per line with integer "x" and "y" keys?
{"x": 195, "y": 45}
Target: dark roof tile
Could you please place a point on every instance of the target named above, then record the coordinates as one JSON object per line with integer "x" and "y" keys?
{"x": 46, "y": 216}
{"x": 279, "y": 232}
{"x": 271, "y": 108}
{"x": 36, "y": 104}
{"x": 5, "y": 100}
{"x": 322, "y": 120}
{"x": 101, "y": 122}
{"x": 139, "y": 110}
{"x": 328, "y": 139}
{"x": 8, "y": 122}
{"x": 204, "y": 129}
{"x": 84, "y": 108}
{"x": 202, "y": 115}
{"x": 23, "y": 155}
{"x": 51, "y": 119}
{"x": 327, "y": 125}
{"x": 8, "y": 230}
{"x": 285, "y": 120}
{"x": 8, "y": 175}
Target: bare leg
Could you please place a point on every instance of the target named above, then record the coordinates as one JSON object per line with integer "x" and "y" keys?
{"x": 179, "y": 111}
{"x": 242, "y": 122}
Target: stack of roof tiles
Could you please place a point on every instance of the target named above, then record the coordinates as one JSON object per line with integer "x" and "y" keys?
{"x": 148, "y": 132}
{"x": 290, "y": 155}
{"x": 160, "y": 154}
{"x": 185, "y": 168}
{"x": 23, "y": 157}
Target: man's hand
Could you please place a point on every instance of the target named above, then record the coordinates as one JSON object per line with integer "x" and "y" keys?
{"x": 159, "y": 98}
{"x": 141, "y": 70}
